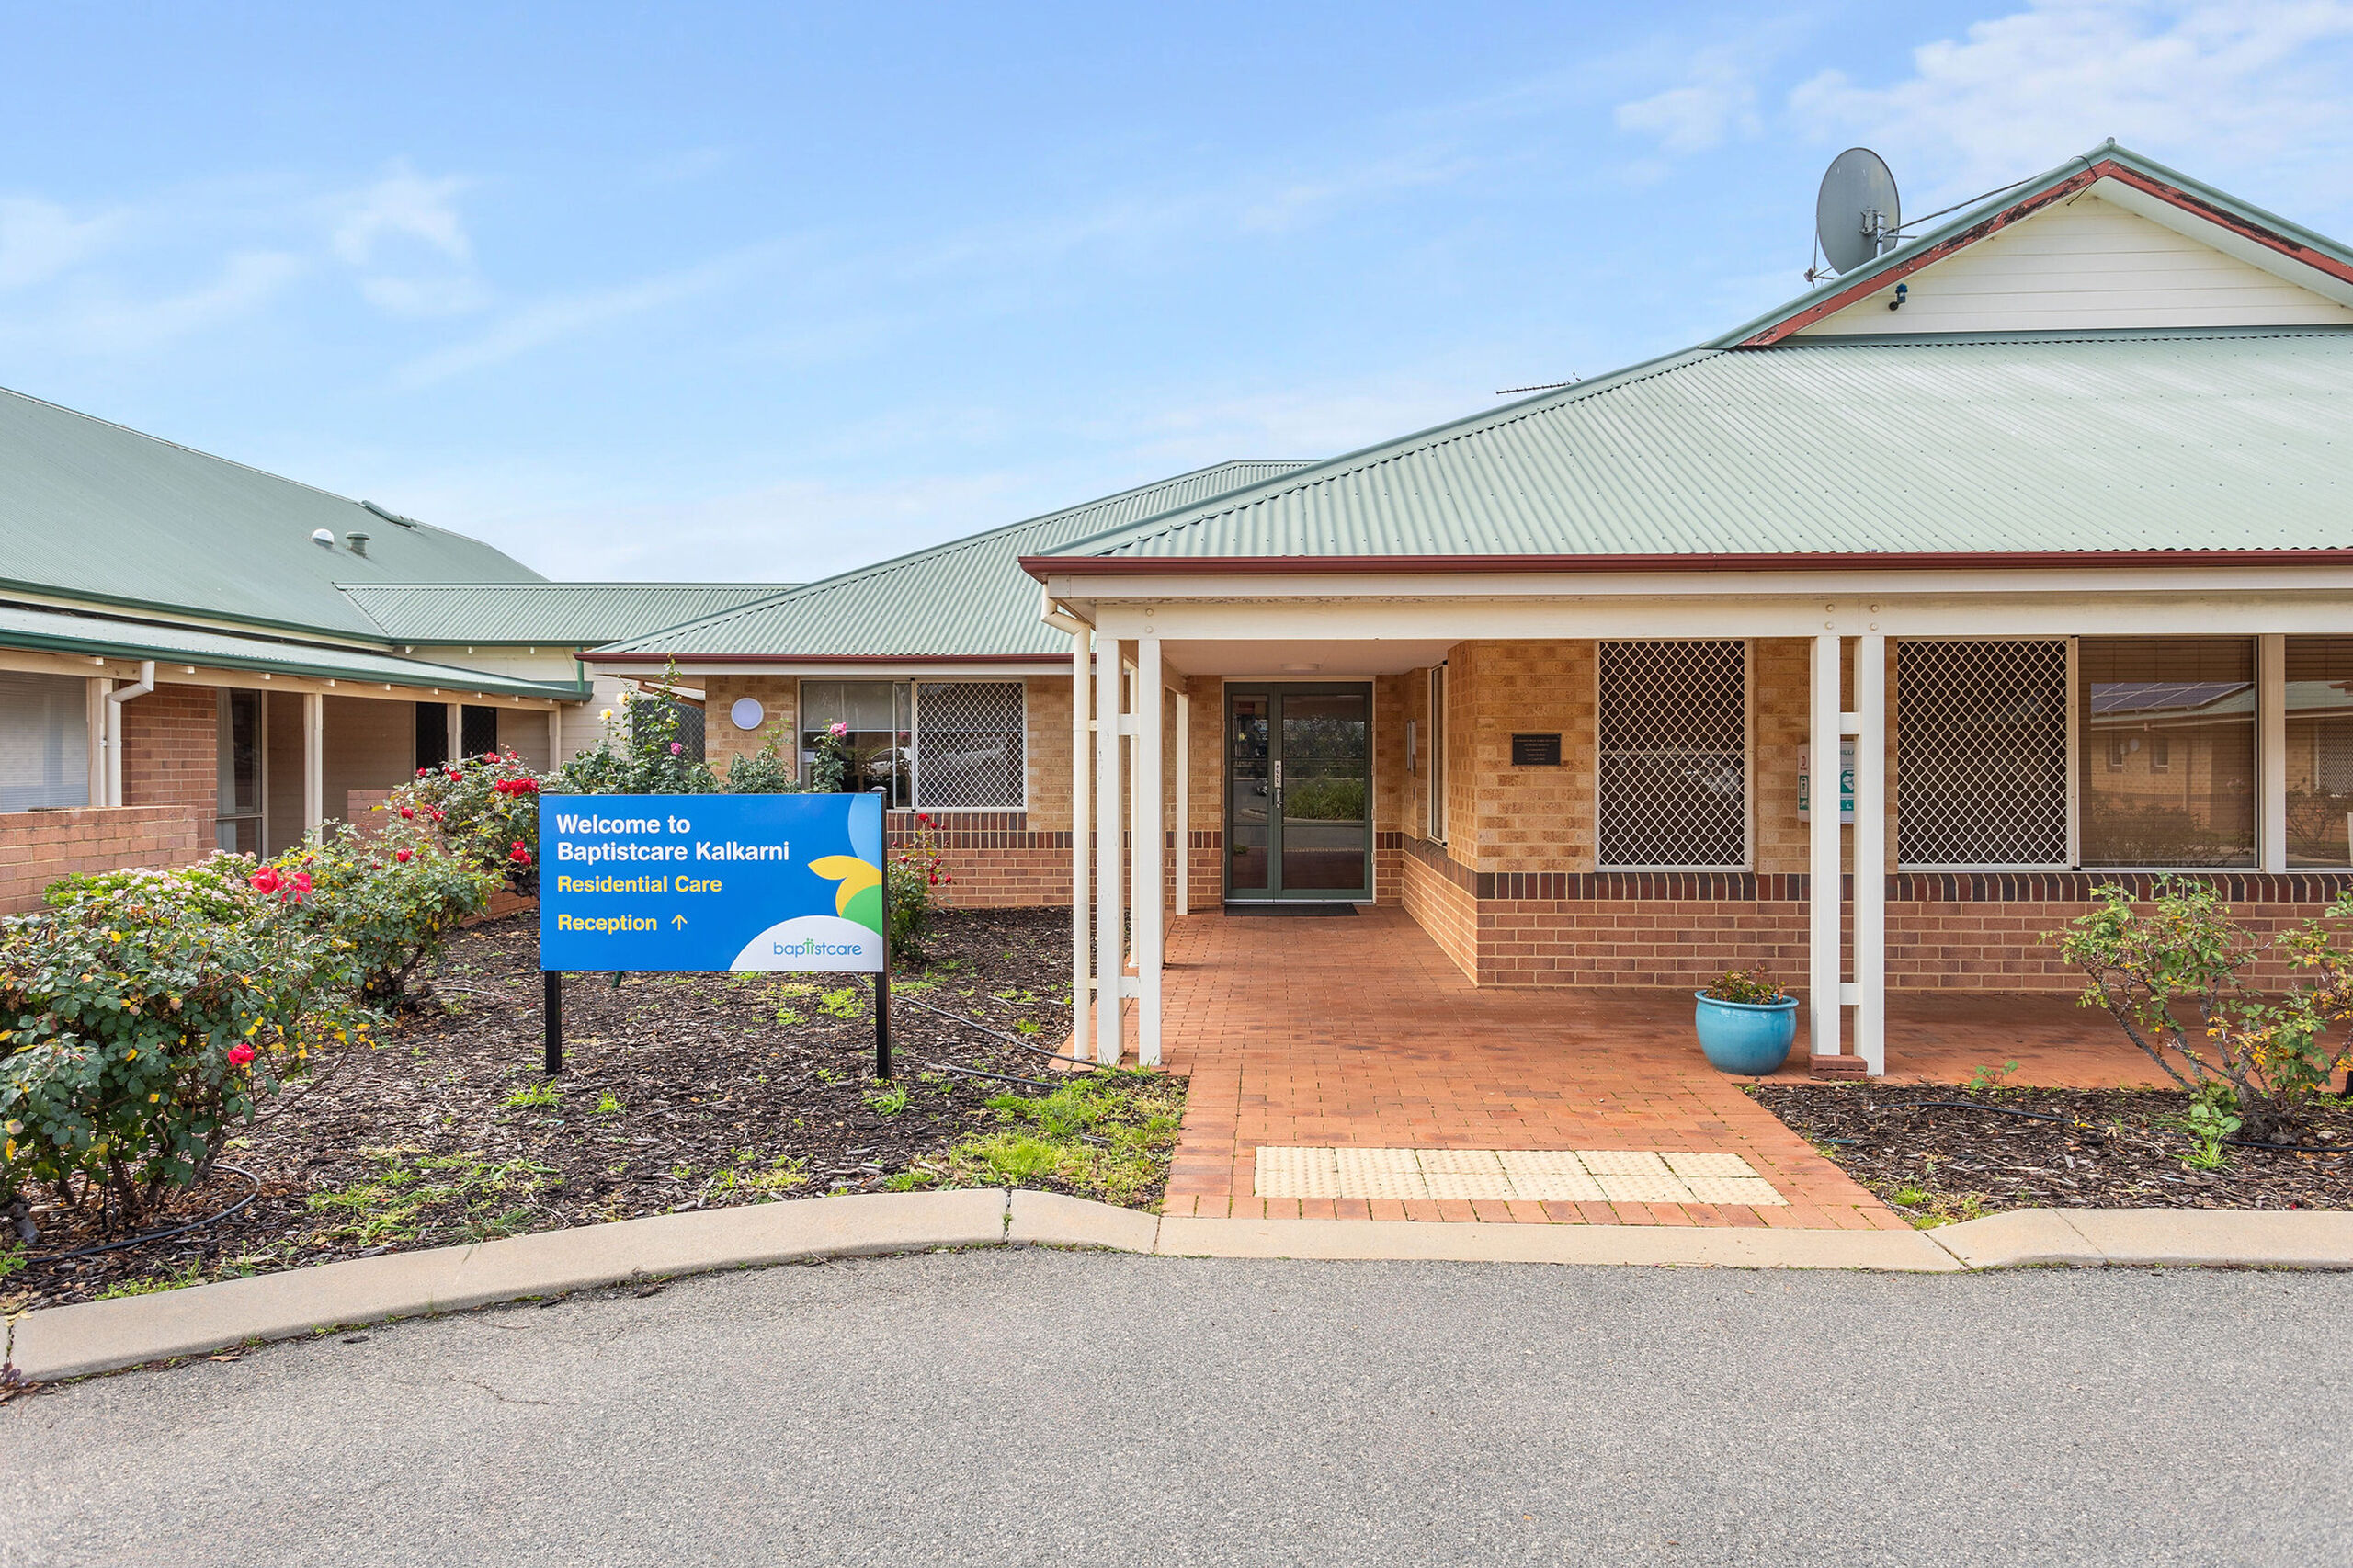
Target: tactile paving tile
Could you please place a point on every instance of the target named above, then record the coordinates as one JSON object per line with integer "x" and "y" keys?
{"x": 1755, "y": 1191}
{"x": 1644, "y": 1188}
{"x": 1708, "y": 1165}
{"x": 1622, "y": 1162}
{"x": 1379, "y": 1172}
{"x": 1460, "y": 1162}
{"x": 1296, "y": 1173}
{"x": 1540, "y": 1161}
{"x": 1469, "y": 1184}
{"x": 1556, "y": 1186}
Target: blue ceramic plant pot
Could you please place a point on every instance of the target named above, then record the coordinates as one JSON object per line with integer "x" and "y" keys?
{"x": 1751, "y": 1038}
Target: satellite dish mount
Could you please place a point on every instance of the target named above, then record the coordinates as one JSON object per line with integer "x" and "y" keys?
{"x": 1857, "y": 216}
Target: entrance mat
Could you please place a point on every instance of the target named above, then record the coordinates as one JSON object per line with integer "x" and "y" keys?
{"x": 1290, "y": 909}
{"x": 1536, "y": 1176}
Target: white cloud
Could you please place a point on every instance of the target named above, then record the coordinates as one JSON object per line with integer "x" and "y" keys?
{"x": 246, "y": 281}
{"x": 405, "y": 238}
{"x": 2215, "y": 85}
{"x": 561, "y": 317}
{"x": 39, "y": 240}
{"x": 1718, "y": 99}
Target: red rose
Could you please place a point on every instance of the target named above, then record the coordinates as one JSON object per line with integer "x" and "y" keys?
{"x": 266, "y": 879}
{"x": 402, "y": 856}
{"x": 408, "y": 810}
{"x": 240, "y": 1053}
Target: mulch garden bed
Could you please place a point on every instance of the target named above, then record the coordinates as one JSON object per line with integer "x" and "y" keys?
{"x": 2117, "y": 1149}
{"x": 680, "y": 1092}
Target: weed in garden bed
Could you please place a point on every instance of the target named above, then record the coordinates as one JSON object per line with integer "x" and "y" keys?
{"x": 399, "y": 1201}
{"x": 1106, "y": 1136}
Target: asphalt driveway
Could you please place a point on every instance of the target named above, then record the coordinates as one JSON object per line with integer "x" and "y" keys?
{"x": 1033, "y": 1407}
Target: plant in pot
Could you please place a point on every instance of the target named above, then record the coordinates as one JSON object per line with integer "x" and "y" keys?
{"x": 1747, "y": 1022}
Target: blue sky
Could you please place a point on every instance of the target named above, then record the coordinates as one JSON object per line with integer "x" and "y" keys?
{"x": 758, "y": 292}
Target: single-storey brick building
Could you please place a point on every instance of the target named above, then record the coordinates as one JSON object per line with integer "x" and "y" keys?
{"x": 2013, "y": 561}
{"x": 195, "y": 655}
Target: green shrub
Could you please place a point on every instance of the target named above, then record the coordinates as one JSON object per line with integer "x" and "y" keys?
{"x": 133, "y": 1037}
{"x": 640, "y": 755}
{"x": 2180, "y": 951}
{"x": 389, "y": 899}
{"x": 486, "y": 808}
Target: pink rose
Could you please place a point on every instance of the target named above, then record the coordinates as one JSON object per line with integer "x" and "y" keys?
{"x": 677, "y": 748}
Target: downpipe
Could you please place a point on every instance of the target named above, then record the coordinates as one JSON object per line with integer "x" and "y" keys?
{"x": 115, "y": 699}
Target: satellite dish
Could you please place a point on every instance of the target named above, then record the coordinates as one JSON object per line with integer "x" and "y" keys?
{"x": 1856, "y": 215}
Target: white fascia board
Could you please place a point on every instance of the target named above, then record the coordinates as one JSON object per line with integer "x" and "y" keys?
{"x": 1101, "y": 596}
{"x": 1949, "y": 614}
{"x": 638, "y": 669}
{"x": 179, "y": 672}
{"x": 2217, "y": 237}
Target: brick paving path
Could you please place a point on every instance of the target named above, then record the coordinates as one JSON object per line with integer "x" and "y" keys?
{"x": 1358, "y": 1032}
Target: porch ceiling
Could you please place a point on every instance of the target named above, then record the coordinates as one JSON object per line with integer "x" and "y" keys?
{"x": 1322, "y": 658}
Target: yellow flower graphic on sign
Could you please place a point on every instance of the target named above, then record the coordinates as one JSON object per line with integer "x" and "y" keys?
{"x": 859, "y": 897}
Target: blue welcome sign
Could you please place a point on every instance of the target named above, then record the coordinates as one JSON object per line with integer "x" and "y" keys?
{"x": 712, "y": 883}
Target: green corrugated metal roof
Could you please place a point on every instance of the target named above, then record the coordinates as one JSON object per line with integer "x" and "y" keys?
{"x": 97, "y": 511}
{"x": 566, "y": 614}
{"x": 2145, "y": 441}
{"x": 29, "y": 626}
{"x": 968, "y": 597}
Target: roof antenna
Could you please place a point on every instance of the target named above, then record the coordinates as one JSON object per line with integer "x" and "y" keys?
{"x": 1541, "y": 386}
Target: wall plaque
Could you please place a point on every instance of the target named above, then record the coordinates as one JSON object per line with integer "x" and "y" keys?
{"x": 1536, "y": 751}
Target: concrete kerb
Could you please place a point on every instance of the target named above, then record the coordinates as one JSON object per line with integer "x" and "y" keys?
{"x": 98, "y": 1336}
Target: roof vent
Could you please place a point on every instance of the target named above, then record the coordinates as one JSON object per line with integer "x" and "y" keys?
{"x": 391, "y": 517}
{"x": 359, "y": 542}
{"x": 322, "y": 537}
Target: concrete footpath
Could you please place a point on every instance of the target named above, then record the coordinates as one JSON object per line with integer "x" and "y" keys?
{"x": 96, "y": 1336}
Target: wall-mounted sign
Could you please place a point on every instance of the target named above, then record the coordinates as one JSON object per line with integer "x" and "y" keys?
{"x": 1536, "y": 751}
{"x": 1846, "y": 781}
{"x": 711, "y": 882}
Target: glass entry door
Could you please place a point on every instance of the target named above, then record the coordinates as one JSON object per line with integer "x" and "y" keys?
{"x": 1299, "y": 792}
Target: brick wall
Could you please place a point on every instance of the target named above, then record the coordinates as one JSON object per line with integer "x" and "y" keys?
{"x": 170, "y": 749}
{"x": 37, "y": 848}
{"x": 778, "y": 697}
{"x": 998, "y": 858}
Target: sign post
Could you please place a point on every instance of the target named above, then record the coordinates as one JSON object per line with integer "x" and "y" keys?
{"x": 713, "y": 884}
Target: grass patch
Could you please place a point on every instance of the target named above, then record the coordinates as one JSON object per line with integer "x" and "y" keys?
{"x": 191, "y": 1273}
{"x": 491, "y": 1197}
{"x": 1104, "y": 1135}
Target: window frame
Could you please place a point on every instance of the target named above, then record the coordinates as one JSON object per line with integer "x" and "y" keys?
{"x": 2076, "y": 764}
{"x": 1747, "y": 756}
{"x": 912, "y": 686}
{"x": 2080, "y": 762}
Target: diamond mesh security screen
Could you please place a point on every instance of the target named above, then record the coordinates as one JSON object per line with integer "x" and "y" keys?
{"x": 968, "y": 745}
{"x": 1672, "y": 776}
{"x": 1981, "y": 735}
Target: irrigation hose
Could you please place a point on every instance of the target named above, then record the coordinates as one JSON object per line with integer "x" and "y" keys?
{"x": 2046, "y": 1116}
{"x": 160, "y": 1235}
{"x": 997, "y": 1034}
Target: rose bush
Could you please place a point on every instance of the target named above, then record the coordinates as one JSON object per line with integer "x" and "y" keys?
{"x": 486, "y": 808}
{"x": 389, "y": 899}
{"x": 916, "y": 873}
{"x": 142, "y": 1016}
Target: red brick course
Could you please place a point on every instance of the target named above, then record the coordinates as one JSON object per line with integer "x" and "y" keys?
{"x": 39, "y": 847}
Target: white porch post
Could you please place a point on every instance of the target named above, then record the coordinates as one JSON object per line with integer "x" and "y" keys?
{"x": 314, "y": 760}
{"x": 1871, "y": 852}
{"x": 94, "y": 710}
{"x": 2271, "y": 751}
{"x": 1108, "y": 900}
{"x": 1150, "y": 841}
{"x": 1081, "y": 816}
{"x": 1822, "y": 888}
{"x": 1184, "y": 803}
{"x": 454, "y": 716}
{"x": 555, "y": 738}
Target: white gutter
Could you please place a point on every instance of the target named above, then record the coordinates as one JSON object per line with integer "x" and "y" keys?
{"x": 1059, "y": 618}
{"x": 115, "y": 699}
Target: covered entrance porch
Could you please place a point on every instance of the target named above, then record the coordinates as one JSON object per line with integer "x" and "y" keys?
{"x": 1359, "y": 1034}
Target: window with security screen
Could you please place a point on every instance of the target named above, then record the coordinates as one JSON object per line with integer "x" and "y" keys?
{"x": 969, "y": 746}
{"x": 1671, "y": 768}
{"x": 1980, "y": 776}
